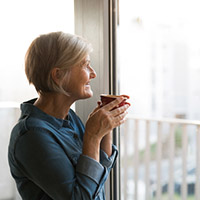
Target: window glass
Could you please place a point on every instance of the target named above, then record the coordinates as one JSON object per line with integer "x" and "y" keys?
{"x": 159, "y": 67}
{"x": 22, "y": 21}
{"x": 159, "y": 56}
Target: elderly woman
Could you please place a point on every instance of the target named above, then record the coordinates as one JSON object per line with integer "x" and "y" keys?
{"x": 51, "y": 154}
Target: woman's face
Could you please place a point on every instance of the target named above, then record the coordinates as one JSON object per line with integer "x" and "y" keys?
{"x": 78, "y": 84}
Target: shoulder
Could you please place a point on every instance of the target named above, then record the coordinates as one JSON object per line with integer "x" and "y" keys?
{"x": 28, "y": 135}
{"x": 36, "y": 123}
{"x": 32, "y": 136}
{"x": 29, "y": 128}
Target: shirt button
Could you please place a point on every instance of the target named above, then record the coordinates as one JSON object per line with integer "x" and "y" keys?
{"x": 75, "y": 136}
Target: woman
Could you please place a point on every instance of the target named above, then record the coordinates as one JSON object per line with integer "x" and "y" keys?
{"x": 51, "y": 154}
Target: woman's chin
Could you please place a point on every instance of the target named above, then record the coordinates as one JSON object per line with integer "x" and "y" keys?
{"x": 89, "y": 94}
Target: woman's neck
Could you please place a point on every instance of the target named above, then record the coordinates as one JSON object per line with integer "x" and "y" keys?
{"x": 54, "y": 104}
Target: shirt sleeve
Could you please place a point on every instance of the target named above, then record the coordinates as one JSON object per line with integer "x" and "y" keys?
{"x": 43, "y": 160}
{"x": 106, "y": 161}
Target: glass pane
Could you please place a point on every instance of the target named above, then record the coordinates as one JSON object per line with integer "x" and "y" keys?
{"x": 159, "y": 67}
{"x": 21, "y": 22}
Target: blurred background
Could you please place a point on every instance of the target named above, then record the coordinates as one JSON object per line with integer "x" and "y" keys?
{"x": 21, "y": 22}
{"x": 159, "y": 67}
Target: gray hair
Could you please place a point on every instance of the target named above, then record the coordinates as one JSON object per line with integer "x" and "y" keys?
{"x": 56, "y": 49}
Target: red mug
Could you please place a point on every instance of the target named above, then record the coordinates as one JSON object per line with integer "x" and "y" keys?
{"x": 106, "y": 98}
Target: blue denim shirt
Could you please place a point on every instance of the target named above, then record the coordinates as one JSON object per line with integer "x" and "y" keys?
{"x": 46, "y": 161}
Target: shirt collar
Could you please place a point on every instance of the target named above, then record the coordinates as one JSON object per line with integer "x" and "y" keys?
{"x": 28, "y": 109}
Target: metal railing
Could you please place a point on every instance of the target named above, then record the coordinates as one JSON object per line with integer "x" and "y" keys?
{"x": 158, "y": 157}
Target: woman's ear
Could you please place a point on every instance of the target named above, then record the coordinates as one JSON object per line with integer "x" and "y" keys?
{"x": 56, "y": 75}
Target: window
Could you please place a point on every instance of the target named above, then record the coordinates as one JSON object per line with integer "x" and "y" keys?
{"x": 21, "y": 22}
{"x": 159, "y": 59}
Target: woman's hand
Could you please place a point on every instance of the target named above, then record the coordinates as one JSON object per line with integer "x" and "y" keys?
{"x": 102, "y": 120}
{"x": 100, "y": 124}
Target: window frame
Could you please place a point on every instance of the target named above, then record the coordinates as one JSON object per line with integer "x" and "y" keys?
{"x": 97, "y": 21}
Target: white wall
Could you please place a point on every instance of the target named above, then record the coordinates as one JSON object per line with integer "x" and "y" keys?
{"x": 8, "y": 115}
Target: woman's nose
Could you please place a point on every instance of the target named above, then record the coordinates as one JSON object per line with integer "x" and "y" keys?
{"x": 92, "y": 73}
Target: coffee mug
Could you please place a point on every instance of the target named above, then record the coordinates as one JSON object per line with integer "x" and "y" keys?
{"x": 107, "y": 98}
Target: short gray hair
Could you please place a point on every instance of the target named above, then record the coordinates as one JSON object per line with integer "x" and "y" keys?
{"x": 56, "y": 49}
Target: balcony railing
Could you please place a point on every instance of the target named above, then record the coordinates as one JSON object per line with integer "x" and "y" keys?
{"x": 160, "y": 159}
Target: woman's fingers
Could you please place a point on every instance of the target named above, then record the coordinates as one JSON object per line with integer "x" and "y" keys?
{"x": 115, "y": 116}
{"x": 103, "y": 119}
{"x": 114, "y": 103}
{"x": 119, "y": 119}
{"x": 120, "y": 110}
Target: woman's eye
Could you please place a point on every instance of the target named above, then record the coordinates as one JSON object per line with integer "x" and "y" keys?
{"x": 86, "y": 65}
